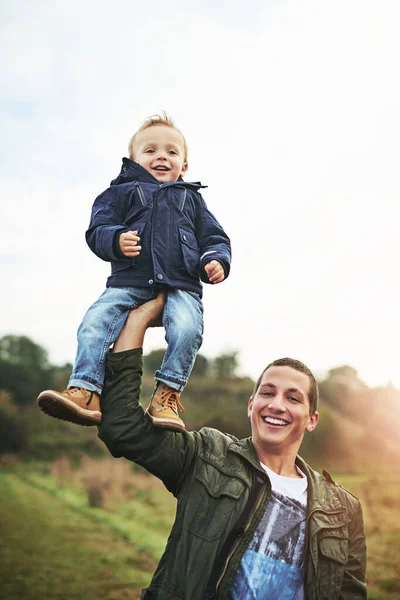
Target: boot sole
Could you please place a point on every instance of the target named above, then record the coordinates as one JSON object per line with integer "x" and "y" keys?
{"x": 66, "y": 410}
{"x": 169, "y": 424}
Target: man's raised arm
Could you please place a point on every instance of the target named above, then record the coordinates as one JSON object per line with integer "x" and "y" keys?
{"x": 124, "y": 428}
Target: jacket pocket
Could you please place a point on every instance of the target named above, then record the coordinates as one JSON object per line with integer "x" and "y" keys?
{"x": 333, "y": 557}
{"x": 214, "y": 498}
{"x": 121, "y": 265}
{"x": 190, "y": 251}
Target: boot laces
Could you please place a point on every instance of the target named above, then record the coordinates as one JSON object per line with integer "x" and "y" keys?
{"x": 169, "y": 398}
{"x": 76, "y": 390}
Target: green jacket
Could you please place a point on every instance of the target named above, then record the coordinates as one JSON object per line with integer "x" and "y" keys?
{"x": 222, "y": 491}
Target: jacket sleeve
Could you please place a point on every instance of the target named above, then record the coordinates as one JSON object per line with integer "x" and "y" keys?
{"x": 127, "y": 432}
{"x": 354, "y": 585}
{"x": 106, "y": 225}
{"x": 213, "y": 242}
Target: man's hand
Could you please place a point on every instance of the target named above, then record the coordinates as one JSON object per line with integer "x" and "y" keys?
{"x": 139, "y": 319}
{"x": 215, "y": 271}
{"x": 150, "y": 313}
{"x": 128, "y": 244}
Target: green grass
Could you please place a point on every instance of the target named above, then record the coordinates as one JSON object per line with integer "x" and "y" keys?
{"x": 49, "y": 551}
{"x": 53, "y": 546}
{"x": 144, "y": 521}
{"x": 380, "y": 499}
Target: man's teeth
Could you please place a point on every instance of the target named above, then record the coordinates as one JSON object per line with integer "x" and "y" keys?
{"x": 273, "y": 421}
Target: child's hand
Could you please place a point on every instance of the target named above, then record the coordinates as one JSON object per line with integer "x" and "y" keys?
{"x": 215, "y": 271}
{"x": 128, "y": 243}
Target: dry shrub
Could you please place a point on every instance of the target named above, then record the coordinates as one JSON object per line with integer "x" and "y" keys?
{"x": 114, "y": 477}
{"x": 62, "y": 470}
{"x": 13, "y": 434}
{"x": 125, "y": 594}
{"x": 104, "y": 480}
{"x": 8, "y": 461}
{"x": 389, "y": 502}
{"x": 6, "y": 401}
{"x": 96, "y": 495}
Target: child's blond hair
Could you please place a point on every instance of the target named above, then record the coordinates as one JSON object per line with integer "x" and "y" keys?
{"x": 163, "y": 119}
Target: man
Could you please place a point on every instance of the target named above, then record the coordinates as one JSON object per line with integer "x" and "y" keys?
{"x": 253, "y": 519}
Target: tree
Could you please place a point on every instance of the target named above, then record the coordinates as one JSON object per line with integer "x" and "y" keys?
{"x": 60, "y": 376}
{"x": 338, "y": 387}
{"x": 328, "y": 443}
{"x": 24, "y": 368}
{"x": 20, "y": 350}
{"x": 225, "y": 365}
{"x": 201, "y": 366}
{"x": 152, "y": 361}
{"x": 12, "y": 430}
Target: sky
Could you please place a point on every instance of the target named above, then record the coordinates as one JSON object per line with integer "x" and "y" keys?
{"x": 291, "y": 113}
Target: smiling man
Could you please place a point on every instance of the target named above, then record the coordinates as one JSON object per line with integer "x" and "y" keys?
{"x": 253, "y": 521}
{"x": 282, "y": 407}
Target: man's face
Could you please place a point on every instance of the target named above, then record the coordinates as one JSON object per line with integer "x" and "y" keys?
{"x": 280, "y": 411}
{"x": 160, "y": 150}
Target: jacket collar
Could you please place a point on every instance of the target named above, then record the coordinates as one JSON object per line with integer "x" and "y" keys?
{"x": 132, "y": 171}
{"x": 246, "y": 449}
{"x": 322, "y": 490}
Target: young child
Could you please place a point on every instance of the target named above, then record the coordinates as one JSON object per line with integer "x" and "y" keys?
{"x": 157, "y": 232}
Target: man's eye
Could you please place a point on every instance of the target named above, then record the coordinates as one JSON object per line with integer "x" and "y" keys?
{"x": 293, "y": 399}
{"x": 269, "y": 394}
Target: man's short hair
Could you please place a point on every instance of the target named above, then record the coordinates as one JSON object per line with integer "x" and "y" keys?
{"x": 155, "y": 120}
{"x": 313, "y": 394}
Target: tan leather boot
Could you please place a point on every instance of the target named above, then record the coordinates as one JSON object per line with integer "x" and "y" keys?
{"x": 75, "y": 404}
{"x": 164, "y": 407}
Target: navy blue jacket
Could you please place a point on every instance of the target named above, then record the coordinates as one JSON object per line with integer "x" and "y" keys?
{"x": 178, "y": 233}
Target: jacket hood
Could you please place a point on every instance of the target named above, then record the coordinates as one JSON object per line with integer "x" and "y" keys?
{"x": 132, "y": 171}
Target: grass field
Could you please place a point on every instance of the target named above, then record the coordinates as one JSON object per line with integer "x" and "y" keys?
{"x": 380, "y": 499}
{"x": 50, "y": 551}
{"x": 54, "y": 546}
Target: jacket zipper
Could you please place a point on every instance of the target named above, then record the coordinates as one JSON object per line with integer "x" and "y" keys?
{"x": 142, "y": 197}
{"x": 152, "y": 225}
{"x": 183, "y": 199}
{"x": 260, "y": 498}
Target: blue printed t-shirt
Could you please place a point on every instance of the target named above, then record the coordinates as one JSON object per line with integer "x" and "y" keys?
{"x": 272, "y": 566}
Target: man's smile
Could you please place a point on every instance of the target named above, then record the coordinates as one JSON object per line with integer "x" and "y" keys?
{"x": 275, "y": 421}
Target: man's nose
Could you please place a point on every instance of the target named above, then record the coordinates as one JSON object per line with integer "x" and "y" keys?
{"x": 277, "y": 403}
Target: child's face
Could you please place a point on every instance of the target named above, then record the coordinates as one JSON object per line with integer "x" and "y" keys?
{"x": 160, "y": 150}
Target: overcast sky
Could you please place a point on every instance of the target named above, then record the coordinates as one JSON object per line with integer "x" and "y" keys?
{"x": 291, "y": 113}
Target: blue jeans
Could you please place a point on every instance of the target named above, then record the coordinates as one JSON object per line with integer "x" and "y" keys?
{"x": 102, "y": 324}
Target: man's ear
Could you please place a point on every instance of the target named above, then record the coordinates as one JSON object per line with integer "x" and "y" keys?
{"x": 313, "y": 420}
{"x": 184, "y": 168}
{"x": 250, "y": 406}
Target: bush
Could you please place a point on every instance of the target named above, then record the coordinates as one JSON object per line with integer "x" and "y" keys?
{"x": 12, "y": 430}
